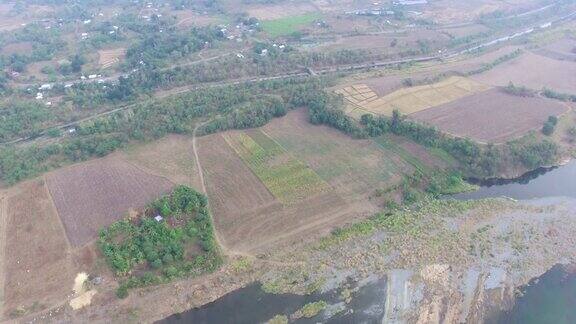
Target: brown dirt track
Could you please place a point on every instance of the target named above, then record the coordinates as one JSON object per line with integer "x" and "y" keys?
{"x": 91, "y": 195}
{"x": 491, "y": 116}
{"x": 38, "y": 264}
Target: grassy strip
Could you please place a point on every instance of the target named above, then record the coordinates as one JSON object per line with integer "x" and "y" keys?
{"x": 385, "y": 143}
{"x": 496, "y": 62}
{"x": 310, "y": 310}
{"x": 287, "y": 178}
{"x": 288, "y": 25}
{"x": 407, "y": 220}
{"x": 182, "y": 244}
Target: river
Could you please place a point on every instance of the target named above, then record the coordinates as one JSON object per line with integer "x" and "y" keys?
{"x": 541, "y": 183}
{"x": 252, "y": 305}
{"x": 550, "y": 298}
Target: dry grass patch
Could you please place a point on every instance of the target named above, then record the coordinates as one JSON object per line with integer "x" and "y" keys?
{"x": 409, "y": 100}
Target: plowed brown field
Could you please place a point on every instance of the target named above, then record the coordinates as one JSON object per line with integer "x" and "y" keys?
{"x": 91, "y": 195}
{"x": 171, "y": 157}
{"x": 38, "y": 265}
{"x": 535, "y": 72}
{"x": 491, "y": 116}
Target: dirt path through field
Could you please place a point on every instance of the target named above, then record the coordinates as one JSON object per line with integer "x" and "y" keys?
{"x": 225, "y": 250}
{"x": 3, "y": 223}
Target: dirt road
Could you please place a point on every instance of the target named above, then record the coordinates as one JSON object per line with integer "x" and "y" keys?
{"x": 3, "y": 224}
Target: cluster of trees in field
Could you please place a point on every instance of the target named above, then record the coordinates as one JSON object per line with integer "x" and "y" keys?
{"x": 160, "y": 245}
{"x": 158, "y": 48}
{"x": 520, "y": 91}
{"x": 549, "y": 125}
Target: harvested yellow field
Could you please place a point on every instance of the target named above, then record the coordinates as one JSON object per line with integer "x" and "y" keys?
{"x": 363, "y": 100}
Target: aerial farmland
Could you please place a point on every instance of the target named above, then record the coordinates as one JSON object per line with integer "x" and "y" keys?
{"x": 287, "y": 161}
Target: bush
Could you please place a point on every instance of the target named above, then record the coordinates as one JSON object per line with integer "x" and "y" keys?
{"x": 549, "y": 125}
{"x": 122, "y": 291}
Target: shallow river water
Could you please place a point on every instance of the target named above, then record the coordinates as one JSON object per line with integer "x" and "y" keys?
{"x": 550, "y": 298}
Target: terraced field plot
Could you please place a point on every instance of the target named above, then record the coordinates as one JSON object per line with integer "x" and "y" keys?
{"x": 107, "y": 58}
{"x": 364, "y": 100}
{"x": 287, "y": 178}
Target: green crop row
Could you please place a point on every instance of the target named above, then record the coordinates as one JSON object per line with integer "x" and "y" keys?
{"x": 287, "y": 178}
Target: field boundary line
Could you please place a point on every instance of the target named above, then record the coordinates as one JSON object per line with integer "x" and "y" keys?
{"x": 223, "y": 248}
{"x": 55, "y": 210}
{"x": 3, "y": 232}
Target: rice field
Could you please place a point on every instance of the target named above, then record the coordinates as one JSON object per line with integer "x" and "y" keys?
{"x": 287, "y": 178}
{"x": 362, "y": 99}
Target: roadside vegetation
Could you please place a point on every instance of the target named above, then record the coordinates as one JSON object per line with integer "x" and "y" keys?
{"x": 151, "y": 250}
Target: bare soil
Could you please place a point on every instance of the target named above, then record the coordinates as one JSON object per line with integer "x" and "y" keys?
{"x": 91, "y": 195}
{"x": 386, "y": 43}
{"x": 38, "y": 265}
{"x": 171, "y": 157}
{"x": 491, "y": 116}
{"x": 563, "y": 50}
{"x": 535, "y": 72}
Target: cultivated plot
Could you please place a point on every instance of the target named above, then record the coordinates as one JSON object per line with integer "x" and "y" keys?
{"x": 352, "y": 167}
{"x": 491, "y": 116}
{"x": 535, "y": 72}
{"x": 288, "y": 179}
{"x": 89, "y": 196}
{"x": 107, "y": 58}
{"x": 171, "y": 157}
{"x": 38, "y": 265}
{"x": 409, "y": 100}
{"x": 291, "y": 181}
